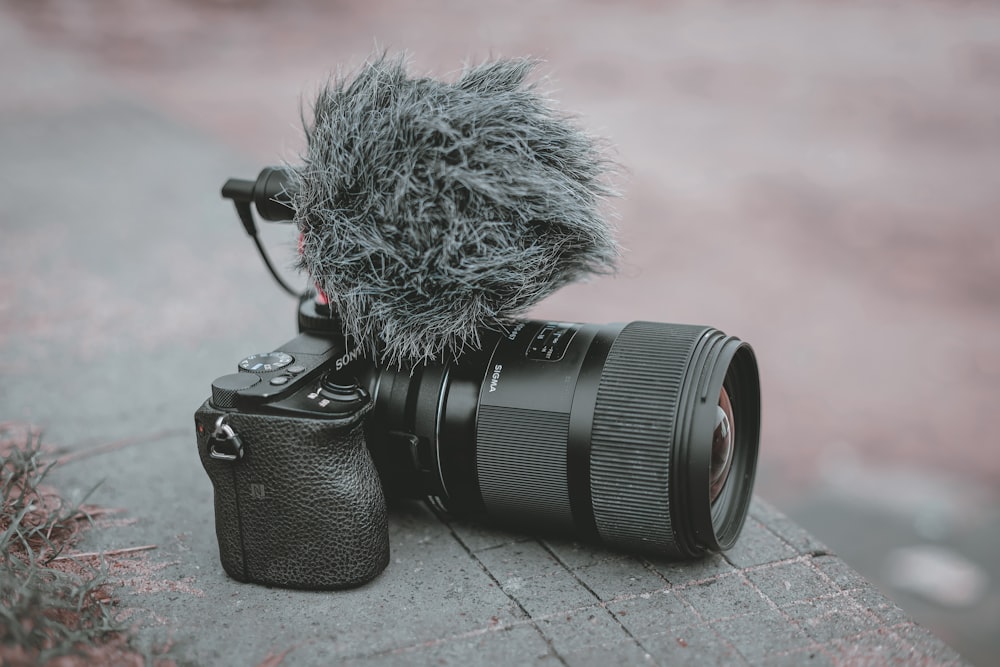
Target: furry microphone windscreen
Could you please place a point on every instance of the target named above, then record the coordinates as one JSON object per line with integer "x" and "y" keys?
{"x": 431, "y": 209}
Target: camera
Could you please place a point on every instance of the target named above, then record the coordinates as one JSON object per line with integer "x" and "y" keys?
{"x": 641, "y": 436}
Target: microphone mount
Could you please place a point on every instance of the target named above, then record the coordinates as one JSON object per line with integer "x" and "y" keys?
{"x": 269, "y": 196}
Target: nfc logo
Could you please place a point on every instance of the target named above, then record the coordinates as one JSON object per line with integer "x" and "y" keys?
{"x": 257, "y": 491}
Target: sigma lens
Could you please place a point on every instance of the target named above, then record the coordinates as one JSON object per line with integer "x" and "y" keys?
{"x": 643, "y": 436}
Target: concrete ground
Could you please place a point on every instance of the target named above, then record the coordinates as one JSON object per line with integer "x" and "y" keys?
{"x": 821, "y": 180}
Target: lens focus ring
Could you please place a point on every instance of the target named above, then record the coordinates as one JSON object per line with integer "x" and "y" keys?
{"x": 633, "y": 434}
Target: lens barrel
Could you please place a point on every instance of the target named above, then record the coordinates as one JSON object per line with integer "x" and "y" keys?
{"x": 652, "y": 439}
{"x": 601, "y": 432}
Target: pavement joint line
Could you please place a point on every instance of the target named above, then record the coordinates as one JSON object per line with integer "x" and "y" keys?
{"x": 528, "y": 617}
{"x": 882, "y": 628}
{"x": 581, "y": 582}
{"x": 821, "y": 647}
{"x": 698, "y": 617}
{"x": 784, "y": 614}
{"x": 805, "y": 559}
{"x": 646, "y": 563}
{"x": 813, "y": 646}
{"x": 722, "y": 619}
{"x": 507, "y": 626}
{"x": 708, "y": 623}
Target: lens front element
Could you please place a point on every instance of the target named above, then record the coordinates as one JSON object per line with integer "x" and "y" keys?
{"x": 722, "y": 446}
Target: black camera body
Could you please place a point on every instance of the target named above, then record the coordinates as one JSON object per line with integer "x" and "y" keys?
{"x": 298, "y": 502}
{"x": 640, "y": 436}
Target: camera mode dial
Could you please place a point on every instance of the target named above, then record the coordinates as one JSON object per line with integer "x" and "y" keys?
{"x": 265, "y": 362}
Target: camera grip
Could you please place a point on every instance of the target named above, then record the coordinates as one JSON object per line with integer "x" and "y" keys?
{"x": 303, "y": 506}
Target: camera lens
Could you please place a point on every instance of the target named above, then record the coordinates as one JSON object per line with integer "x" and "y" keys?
{"x": 643, "y": 436}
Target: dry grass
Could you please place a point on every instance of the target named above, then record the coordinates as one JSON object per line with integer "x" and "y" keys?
{"x": 55, "y": 609}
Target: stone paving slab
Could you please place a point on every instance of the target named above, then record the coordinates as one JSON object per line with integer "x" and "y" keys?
{"x": 510, "y": 600}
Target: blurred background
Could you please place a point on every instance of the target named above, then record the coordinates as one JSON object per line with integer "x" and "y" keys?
{"x": 820, "y": 179}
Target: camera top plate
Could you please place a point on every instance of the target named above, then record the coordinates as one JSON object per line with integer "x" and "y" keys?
{"x": 298, "y": 377}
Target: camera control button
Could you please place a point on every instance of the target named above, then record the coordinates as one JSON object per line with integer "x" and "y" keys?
{"x": 280, "y": 380}
{"x": 296, "y": 369}
{"x": 551, "y": 342}
{"x": 341, "y": 392}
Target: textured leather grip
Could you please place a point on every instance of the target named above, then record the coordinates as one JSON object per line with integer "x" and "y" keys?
{"x": 303, "y": 508}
